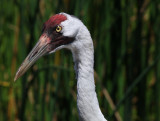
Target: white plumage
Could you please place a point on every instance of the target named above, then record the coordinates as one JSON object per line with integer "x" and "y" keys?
{"x": 83, "y": 56}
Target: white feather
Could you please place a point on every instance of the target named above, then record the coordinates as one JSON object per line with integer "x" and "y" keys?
{"x": 83, "y": 55}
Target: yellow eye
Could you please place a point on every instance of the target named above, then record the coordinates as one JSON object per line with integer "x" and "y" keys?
{"x": 58, "y": 29}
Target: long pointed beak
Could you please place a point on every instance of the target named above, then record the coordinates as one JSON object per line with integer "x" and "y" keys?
{"x": 40, "y": 49}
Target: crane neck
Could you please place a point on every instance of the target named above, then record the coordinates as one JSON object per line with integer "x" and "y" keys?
{"x": 87, "y": 102}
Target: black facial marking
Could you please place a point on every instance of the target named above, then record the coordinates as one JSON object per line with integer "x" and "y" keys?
{"x": 62, "y": 40}
{"x": 51, "y": 30}
{"x": 56, "y": 38}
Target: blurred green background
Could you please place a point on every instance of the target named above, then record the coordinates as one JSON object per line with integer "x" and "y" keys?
{"x": 126, "y": 37}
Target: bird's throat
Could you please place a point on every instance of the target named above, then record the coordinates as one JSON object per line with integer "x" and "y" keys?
{"x": 87, "y": 103}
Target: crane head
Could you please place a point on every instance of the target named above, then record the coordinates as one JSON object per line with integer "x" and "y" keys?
{"x": 57, "y": 33}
